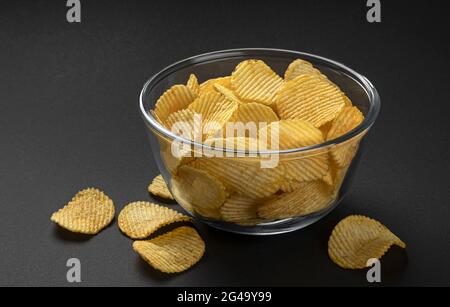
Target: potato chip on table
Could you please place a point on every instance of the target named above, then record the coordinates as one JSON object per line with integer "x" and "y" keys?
{"x": 172, "y": 252}
{"x": 88, "y": 212}
{"x": 139, "y": 220}
{"x": 356, "y": 239}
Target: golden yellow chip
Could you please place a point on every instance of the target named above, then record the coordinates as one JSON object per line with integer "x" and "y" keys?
{"x": 348, "y": 119}
{"x": 312, "y": 196}
{"x": 290, "y": 185}
{"x": 172, "y": 158}
{"x": 88, "y": 212}
{"x": 215, "y": 111}
{"x": 192, "y": 83}
{"x": 301, "y": 67}
{"x": 184, "y": 124}
{"x": 254, "y": 81}
{"x": 198, "y": 188}
{"x": 306, "y": 168}
{"x": 172, "y": 252}
{"x": 243, "y": 176}
{"x": 325, "y": 128}
{"x": 240, "y": 210}
{"x": 348, "y": 102}
{"x": 357, "y": 239}
{"x": 210, "y": 213}
{"x": 159, "y": 188}
{"x": 335, "y": 177}
{"x": 208, "y": 85}
{"x": 255, "y": 114}
{"x": 174, "y": 99}
{"x": 140, "y": 219}
{"x": 292, "y": 133}
{"x": 311, "y": 98}
{"x": 296, "y": 133}
{"x": 227, "y": 93}
{"x": 328, "y": 178}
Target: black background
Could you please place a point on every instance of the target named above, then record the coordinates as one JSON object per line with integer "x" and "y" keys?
{"x": 69, "y": 120}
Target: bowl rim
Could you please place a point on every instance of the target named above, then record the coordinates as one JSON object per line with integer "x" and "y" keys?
{"x": 367, "y": 86}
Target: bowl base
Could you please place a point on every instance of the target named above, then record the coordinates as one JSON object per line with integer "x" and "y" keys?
{"x": 270, "y": 228}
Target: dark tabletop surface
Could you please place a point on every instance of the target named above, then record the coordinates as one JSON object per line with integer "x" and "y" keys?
{"x": 69, "y": 120}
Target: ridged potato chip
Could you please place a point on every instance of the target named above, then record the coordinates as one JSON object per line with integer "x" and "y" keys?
{"x": 240, "y": 210}
{"x": 325, "y": 128}
{"x": 158, "y": 187}
{"x": 296, "y": 133}
{"x": 199, "y": 188}
{"x": 210, "y": 213}
{"x": 328, "y": 178}
{"x": 290, "y": 185}
{"x": 335, "y": 177}
{"x": 306, "y": 168}
{"x": 292, "y": 133}
{"x": 173, "y": 160}
{"x": 208, "y": 85}
{"x": 174, "y": 99}
{"x": 139, "y": 220}
{"x": 192, "y": 83}
{"x": 215, "y": 110}
{"x": 254, "y": 113}
{"x": 301, "y": 67}
{"x": 348, "y": 119}
{"x": 243, "y": 176}
{"x": 357, "y": 238}
{"x": 311, "y": 197}
{"x": 227, "y": 93}
{"x": 172, "y": 252}
{"x": 88, "y": 212}
{"x": 311, "y": 98}
{"x": 348, "y": 102}
{"x": 254, "y": 81}
{"x": 184, "y": 124}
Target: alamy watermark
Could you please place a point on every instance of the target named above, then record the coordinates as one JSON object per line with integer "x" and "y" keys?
{"x": 74, "y": 12}
{"x": 374, "y": 12}
{"x": 374, "y": 273}
{"x": 73, "y": 275}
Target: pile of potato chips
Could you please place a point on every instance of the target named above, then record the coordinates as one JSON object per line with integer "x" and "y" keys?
{"x": 301, "y": 110}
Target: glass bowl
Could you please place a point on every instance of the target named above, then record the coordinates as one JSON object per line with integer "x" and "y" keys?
{"x": 239, "y": 208}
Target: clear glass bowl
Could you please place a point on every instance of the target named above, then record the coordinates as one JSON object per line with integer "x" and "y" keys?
{"x": 336, "y": 182}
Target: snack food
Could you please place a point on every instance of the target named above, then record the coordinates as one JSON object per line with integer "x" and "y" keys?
{"x": 172, "y": 252}
{"x": 357, "y": 238}
{"x": 88, "y": 212}
{"x": 221, "y": 181}
{"x": 138, "y": 220}
{"x": 159, "y": 188}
